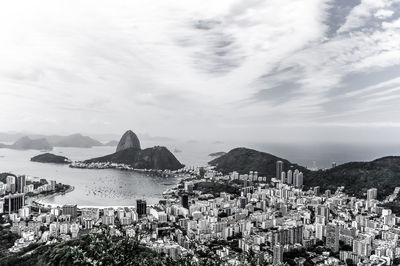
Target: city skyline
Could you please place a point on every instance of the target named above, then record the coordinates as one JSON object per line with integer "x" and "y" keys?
{"x": 265, "y": 70}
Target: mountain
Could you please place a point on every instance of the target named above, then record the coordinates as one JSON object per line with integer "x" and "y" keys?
{"x": 111, "y": 143}
{"x": 26, "y": 143}
{"x": 150, "y": 158}
{"x": 50, "y": 158}
{"x": 128, "y": 140}
{"x": 357, "y": 177}
{"x": 75, "y": 140}
{"x": 129, "y": 152}
{"x": 244, "y": 160}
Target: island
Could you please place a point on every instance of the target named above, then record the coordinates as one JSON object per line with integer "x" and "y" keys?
{"x": 129, "y": 155}
{"x": 26, "y": 143}
{"x": 50, "y": 158}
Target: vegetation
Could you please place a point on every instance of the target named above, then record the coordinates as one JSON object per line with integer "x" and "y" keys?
{"x": 216, "y": 188}
{"x": 7, "y": 239}
{"x": 356, "y": 177}
{"x": 244, "y": 160}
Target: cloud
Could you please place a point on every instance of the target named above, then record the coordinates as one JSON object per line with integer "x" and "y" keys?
{"x": 174, "y": 68}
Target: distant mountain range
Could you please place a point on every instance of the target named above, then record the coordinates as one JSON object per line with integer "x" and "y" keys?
{"x": 42, "y": 142}
{"x": 129, "y": 152}
{"x": 26, "y": 143}
{"x": 356, "y": 177}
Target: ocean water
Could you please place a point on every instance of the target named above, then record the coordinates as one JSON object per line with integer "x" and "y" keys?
{"x": 110, "y": 187}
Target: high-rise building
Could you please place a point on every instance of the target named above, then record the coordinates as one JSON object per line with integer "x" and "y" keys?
{"x": 70, "y": 209}
{"x": 242, "y": 202}
{"x": 14, "y": 202}
{"x": 298, "y": 179}
{"x": 11, "y": 186}
{"x": 185, "y": 201}
{"x": 289, "y": 177}
{"x": 283, "y": 177}
{"x": 278, "y": 254}
{"x": 372, "y": 193}
{"x": 141, "y": 207}
{"x": 333, "y": 164}
{"x": 279, "y": 169}
{"x": 323, "y": 211}
{"x": 332, "y": 237}
{"x": 20, "y": 183}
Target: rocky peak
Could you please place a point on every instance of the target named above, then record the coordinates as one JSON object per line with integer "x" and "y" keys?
{"x": 129, "y": 140}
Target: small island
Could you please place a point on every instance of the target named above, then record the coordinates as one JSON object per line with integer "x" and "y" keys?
{"x": 50, "y": 158}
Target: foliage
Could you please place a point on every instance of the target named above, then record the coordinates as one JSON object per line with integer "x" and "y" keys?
{"x": 101, "y": 249}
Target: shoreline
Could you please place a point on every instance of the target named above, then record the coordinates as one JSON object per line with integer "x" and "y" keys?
{"x": 37, "y": 199}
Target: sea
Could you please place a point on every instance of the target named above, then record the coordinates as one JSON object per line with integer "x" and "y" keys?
{"x": 111, "y": 187}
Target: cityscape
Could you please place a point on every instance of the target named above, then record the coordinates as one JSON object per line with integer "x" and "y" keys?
{"x": 200, "y": 133}
{"x": 263, "y": 221}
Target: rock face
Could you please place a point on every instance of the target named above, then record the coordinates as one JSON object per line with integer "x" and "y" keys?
{"x": 50, "y": 158}
{"x": 158, "y": 158}
{"x": 26, "y": 143}
{"x": 128, "y": 141}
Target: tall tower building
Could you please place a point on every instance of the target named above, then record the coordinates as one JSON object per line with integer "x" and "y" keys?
{"x": 332, "y": 237}
{"x": 141, "y": 207}
{"x": 20, "y": 183}
{"x": 289, "y": 177}
{"x": 372, "y": 193}
{"x": 283, "y": 177}
{"x": 298, "y": 182}
{"x": 278, "y": 254}
{"x": 279, "y": 169}
{"x": 14, "y": 202}
{"x": 11, "y": 186}
{"x": 185, "y": 201}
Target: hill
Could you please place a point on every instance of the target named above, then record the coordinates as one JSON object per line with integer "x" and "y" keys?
{"x": 129, "y": 152}
{"x": 150, "y": 158}
{"x": 26, "y": 143}
{"x": 244, "y": 160}
{"x": 357, "y": 177}
{"x": 50, "y": 158}
{"x": 74, "y": 140}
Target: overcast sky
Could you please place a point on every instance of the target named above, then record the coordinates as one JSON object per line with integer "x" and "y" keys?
{"x": 226, "y": 69}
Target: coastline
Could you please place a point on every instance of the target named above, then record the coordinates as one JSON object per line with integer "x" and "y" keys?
{"x": 37, "y": 200}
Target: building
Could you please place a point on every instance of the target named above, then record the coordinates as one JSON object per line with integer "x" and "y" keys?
{"x": 278, "y": 254}
{"x": 70, "y": 209}
{"x": 14, "y": 202}
{"x": 372, "y": 193}
{"x": 332, "y": 237}
{"x": 298, "y": 179}
{"x": 20, "y": 183}
{"x": 141, "y": 207}
{"x": 289, "y": 177}
{"x": 279, "y": 169}
{"x": 11, "y": 186}
{"x": 185, "y": 201}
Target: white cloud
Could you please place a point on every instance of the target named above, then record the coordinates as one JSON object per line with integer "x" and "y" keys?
{"x": 163, "y": 64}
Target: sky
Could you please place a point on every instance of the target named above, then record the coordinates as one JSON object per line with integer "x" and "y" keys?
{"x": 282, "y": 70}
